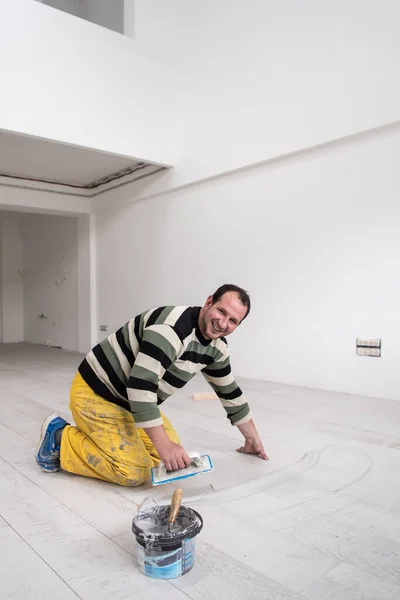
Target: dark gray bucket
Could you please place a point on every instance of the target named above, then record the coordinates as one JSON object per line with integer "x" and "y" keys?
{"x": 162, "y": 554}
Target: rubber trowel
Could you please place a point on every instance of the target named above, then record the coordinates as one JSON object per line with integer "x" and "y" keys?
{"x": 199, "y": 464}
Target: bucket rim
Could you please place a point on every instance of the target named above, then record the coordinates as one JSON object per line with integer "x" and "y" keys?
{"x": 167, "y": 540}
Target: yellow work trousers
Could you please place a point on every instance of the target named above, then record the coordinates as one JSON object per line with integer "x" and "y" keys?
{"x": 105, "y": 444}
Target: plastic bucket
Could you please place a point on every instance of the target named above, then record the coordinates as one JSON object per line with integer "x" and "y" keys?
{"x": 162, "y": 554}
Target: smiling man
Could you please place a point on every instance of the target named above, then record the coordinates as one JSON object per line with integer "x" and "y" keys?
{"x": 120, "y": 433}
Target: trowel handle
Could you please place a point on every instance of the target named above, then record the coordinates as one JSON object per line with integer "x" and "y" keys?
{"x": 175, "y": 506}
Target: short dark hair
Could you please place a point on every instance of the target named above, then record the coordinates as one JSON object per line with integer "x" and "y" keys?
{"x": 230, "y": 287}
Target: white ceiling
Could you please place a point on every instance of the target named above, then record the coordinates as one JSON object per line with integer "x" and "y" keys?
{"x": 52, "y": 162}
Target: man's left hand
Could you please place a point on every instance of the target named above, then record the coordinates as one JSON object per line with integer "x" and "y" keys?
{"x": 253, "y": 446}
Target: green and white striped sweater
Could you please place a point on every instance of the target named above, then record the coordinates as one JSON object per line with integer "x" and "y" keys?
{"x": 153, "y": 355}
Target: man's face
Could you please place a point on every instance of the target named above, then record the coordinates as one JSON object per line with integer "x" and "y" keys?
{"x": 221, "y": 319}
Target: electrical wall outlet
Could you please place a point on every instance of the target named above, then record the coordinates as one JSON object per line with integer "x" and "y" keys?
{"x": 103, "y": 327}
{"x": 371, "y": 347}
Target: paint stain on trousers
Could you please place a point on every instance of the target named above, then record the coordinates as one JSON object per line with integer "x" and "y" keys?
{"x": 105, "y": 444}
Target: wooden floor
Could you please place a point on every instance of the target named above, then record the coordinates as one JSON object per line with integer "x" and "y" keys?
{"x": 319, "y": 521}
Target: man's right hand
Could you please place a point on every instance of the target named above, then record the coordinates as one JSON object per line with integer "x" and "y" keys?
{"x": 174, "y": 456}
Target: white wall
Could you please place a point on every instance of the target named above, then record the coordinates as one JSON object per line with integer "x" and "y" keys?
{"x": 86, "y": 284}
{"x": 50, "y": 250}
{"x": 11, "y": 298}
{"x": 47, "y": 265}
{"x": 69, "y": 80}
{"x": 271, "y": 77}
{"x": 315, "y": 240}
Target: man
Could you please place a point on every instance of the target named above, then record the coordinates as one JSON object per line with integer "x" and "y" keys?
{"x": 120, "y": 433}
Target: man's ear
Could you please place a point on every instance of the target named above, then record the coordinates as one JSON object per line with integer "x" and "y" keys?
{"x": 209, "y": 302}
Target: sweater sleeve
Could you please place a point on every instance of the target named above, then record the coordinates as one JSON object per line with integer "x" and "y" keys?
{"x": 220, "y": 377}
{"x": 159, "y": 348}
